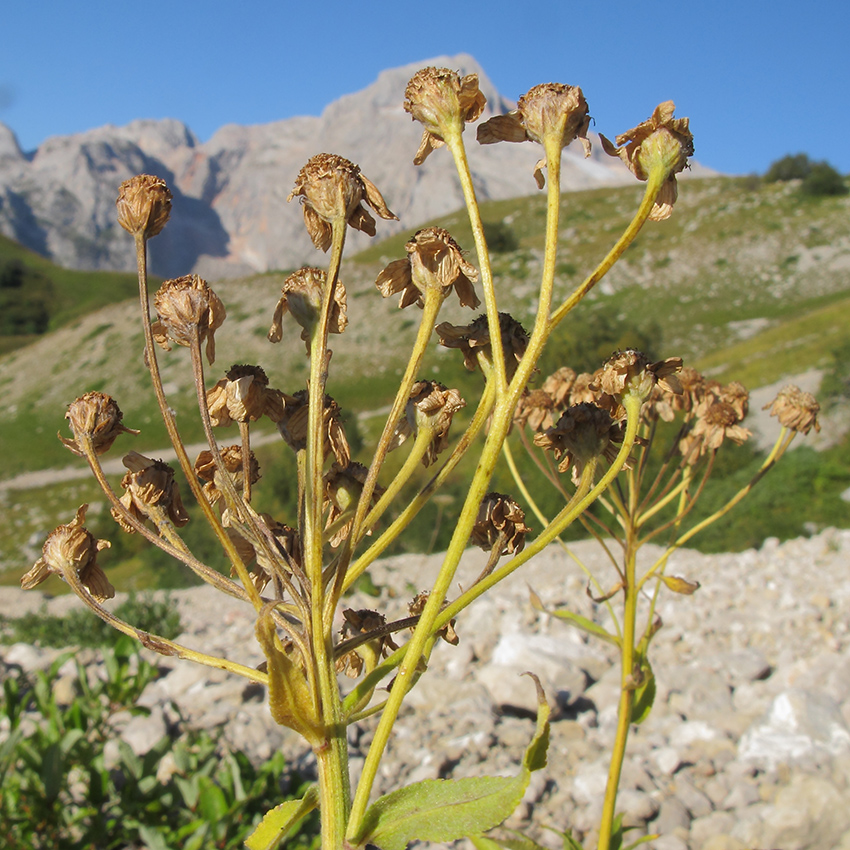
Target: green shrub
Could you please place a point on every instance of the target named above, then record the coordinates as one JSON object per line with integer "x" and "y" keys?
{"x": 822, "y": 180}
{"x": 790, "y": 167}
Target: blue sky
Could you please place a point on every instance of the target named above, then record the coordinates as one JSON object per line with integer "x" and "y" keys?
{"x": 757, "y": 79}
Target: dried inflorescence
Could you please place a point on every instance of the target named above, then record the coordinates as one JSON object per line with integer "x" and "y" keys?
{"x": 333, "y": 189}
{"x": 717, "y": 417}
{"x": 301, "y": 296}
{"x": 293, "y": 426}
{"x": 144, "y": 205}
{"x": 377, "y": 642}
{"x": 474, "y": 340}
{"x": 72, "y": 548}
{"x": 188, "y": 309}
{"x": 244, "y": 395}
{"x": 431, "y": 406}
{"x": 208, "y": 471}
{"x": 795, "y": 409}
{"x": 443, "y": 102}
{"x": 342, "y": 486}
{"x": 500, "y": 522}
{"x": 548, "y": 109}
{"x": 661, "y": 141}
{"x": 434, "y": 262}
{"x": 97, "y": 418}
{"x": 283, "y": 541}
{"x": 631, "y": 371}
{"x": 149, "y": 487}
{"x": 417, "y": 606}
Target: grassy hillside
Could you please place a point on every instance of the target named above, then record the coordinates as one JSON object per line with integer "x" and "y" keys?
{"x": 746, "y": 281}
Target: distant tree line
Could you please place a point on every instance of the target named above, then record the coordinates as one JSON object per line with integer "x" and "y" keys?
{"x": 25, "y": 298}
{"x": 817, "y": 178}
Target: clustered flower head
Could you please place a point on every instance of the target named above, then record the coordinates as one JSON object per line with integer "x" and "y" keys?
{"x": 443, "y": 102}
{"x": 434, "y": 262}
{"x": 70, "y": 549}
{"x": 332, "y": 188}
{"x": 545, "y": 110}
{"x": 144, "y": 205}
{"x": 149, "y": 485}
{"x": 244, "y": 395}
{"x": 97, "y": 417}
{"x": 795, "y": 409}
{"x": 474, "y": 339}
{"x": 301, "y": 295}
{"x": 187, "y": 308}
{"x": 500, "y": 520}
{"x": 432, "y": 406}
{"x": 661, "y": 141}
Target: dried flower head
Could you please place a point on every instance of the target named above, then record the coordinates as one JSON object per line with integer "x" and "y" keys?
{"x": 584, "y": 431}
{"x": 661, "y": 141}
{"x": 795, "y": 409}
{"x": 443, "y": 102}
{"x": 244, "y": 395}
{"x": 144, "y": 205}
{"x": 293, "y": 426}
{"x": 417, "y": 606}
{"x": 284, "y": 542}
{"x": 630, "y": 371}
{"x": 474, "y": 339}
{"x": 545, "y": 110}
{"x": 301, "y": 295}
{"x": 500, "y": 521}
{"x": 149, "y": 485}
{"x": 432, "y": 406}
{"x": 97, "y": 417}
{"x": 716, "y": 420}
{"x": 187, "y": 307}
{"x": 332, "y": 188}
{"x": 70, "y": 548}
{"x": 342, "y": 489}
{"x": 535, "y": 409}
{"x": 360, "y": 624}
{"x": 207, "y": 470}
{"x": 434, "y": 261}
{"x": 559, "y": 385}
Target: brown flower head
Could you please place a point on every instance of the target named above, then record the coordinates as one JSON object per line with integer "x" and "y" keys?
{"x": 716, "y": 421}
{"x": 550, "y": 108}
{"x": 434, "y": 261}
{"x": 342, "y": 489}
{"x": 500, "y": 521}
{"x": 583, "y": 432}
{"x": 144, "y": 205}
{"x": 795, "y": 409}
{"x": 332, "y": 188}
{"x": 97, "y": 417}
{"x": 630, "y": 371}
{"x": 736, "y": 394}
{"x": 302, "y": 296}
{"x": 559, "y": 385}
{"x": 535, "y": 409}
{"x": 433, "y": 407}
{"x": 474, "y": 339}
{"x": 582, "y": 388}
{"x": 244, "y": 395}
{"x": 443, "y": 102}
{"x": 284, "y": 543}
{"x": 293, "y": 426}
{"x": 186, "y": 306}
{"x": 69, "y": 548}
{"x": 417, "y": 606}
{"x": 693, "y": 390}
{"x": 206, "y": 470}
{"x": 359, "y": 624}
{"x": 661, "y": 141}
{"x": 149, "y": 487}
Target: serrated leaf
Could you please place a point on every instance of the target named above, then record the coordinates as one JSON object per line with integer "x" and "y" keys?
{"x": 449, "y": 809}
{"x": 583, "y": 623}
{"x": 644, "y": 695}
{"x": 680, "y": 585}
{"x": 278, "y": 821}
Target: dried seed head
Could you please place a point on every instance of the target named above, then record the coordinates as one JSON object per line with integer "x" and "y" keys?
{"x": 342, "y": 489}
{"x": 500, "y": 520}
{"x": 70, "y": 548}
{"x": 244, "y": 395}
{"x": 661, "y": 142}
{"x": 332, "y": 188}
{"x": 795, "y": 409}
{"x": 97, "y": 417}
{"x": 716, "y": 419}
{"x": 430, "y": 406}
{"x": 357, "y": 624}
{"x": 443, "y": 102}
{"x": 144, "y": 205}
{"x": 301, "y": 296}
{"x": 186, "y": 306}
{"x": 207, "y": 470}
{"x": 559, "y": 384}
{"x": 293, "y": 426}
{"x": 285, "y": 543}
{"x": 434, "y": 261}
{"x": 474, "y": 338}
{"x": 148, "y": 485}
{"x": 417, "y": 606}
{"x": 630, "y": 371}
{"x": 535, "y": 409}
{"x": 547, "y": 110}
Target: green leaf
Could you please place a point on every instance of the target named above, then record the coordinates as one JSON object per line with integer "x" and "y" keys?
{"x": 482, "y": 842}
{"x": 449, "y": 809}
{"x": 583, "y": 623}
{"x": 212, "y": 803}
{"x": 642, "y": 840}
{"x": 644, "y": 695}
{"x": 279, "y": 820}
